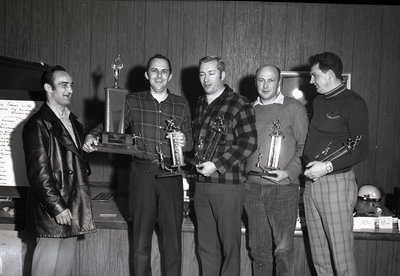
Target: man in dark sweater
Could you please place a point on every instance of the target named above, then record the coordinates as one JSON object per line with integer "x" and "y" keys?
{"x": 331, "y": 191}
{"x": 271, "y": 201}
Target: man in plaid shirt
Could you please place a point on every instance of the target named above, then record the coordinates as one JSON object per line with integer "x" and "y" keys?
{"x": 153, "y": 199}
{"x": 225, "y": 134}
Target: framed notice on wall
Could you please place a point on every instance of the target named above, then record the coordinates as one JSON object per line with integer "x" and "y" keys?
{"x": 16, "y": 106}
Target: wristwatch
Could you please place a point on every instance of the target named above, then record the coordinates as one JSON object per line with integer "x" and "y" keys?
{"x": 329, "y": 167}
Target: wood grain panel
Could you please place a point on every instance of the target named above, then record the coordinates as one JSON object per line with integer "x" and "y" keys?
{"x": 17, "y": 32}
{"x": 79, "y": 53}
{"x": 293, "y": 37}
{"x": 347, "y": 47}
{"x": 229, "y": 41}
{"x": 388, "y": 149}
{"x": 215, "y": 16}
{"x": 313, "y": 33}
{"x": 366, "y": 78}
{"x": 248, "y": 32}
{"x": 156, "y": 35}
{"x": 42, "y": 32}
{"x": 62, "y": 33}
{"x": 273, "y": 31}
{"x": 175, "y": 45}
{"x": 2, "y": 25}
{"x": 334, "y": 28}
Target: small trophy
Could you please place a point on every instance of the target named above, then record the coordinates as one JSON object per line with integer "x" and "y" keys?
{"x": 176, "y": 151}
{"x": 218, "y": 130}
{"x": 347, "y": 148}
{"x": 274, "y": 152}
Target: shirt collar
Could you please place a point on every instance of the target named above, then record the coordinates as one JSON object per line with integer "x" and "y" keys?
{"x": 335, "y": 91}
{"x": 278, "y": 100}
{"x": 58, "y": 113}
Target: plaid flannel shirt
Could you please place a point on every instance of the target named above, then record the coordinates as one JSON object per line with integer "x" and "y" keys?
{"x": 146, "y": 117}
{"x": 239, "y": 140}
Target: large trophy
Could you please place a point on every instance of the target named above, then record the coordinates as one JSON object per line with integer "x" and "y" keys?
{"x": 347, "y": 148}
{"x": 218, "y": 130}
{"x": 114, "y": 139}
{"x": 176, "y": 152}
{"x": 274, "y": 152}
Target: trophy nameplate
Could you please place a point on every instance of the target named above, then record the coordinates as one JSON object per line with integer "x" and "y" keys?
{"x": 176, "y": 152}
{"x": 274, "y": 152}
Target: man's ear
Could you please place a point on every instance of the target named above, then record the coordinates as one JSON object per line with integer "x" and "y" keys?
{"x": 170, "y": 77}
{"x": 223, "y": 75}
{"x": 146, "y": 75}
{"x": 47, "y": 87}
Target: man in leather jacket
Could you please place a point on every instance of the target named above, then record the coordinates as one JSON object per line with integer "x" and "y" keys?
{"x": 59, "y": 196}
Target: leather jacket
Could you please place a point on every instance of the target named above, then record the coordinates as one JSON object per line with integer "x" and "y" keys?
{"x": 58, "y": 175}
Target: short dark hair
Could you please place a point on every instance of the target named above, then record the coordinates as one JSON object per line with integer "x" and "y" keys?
{"x": 327, "y": 61}
{"x": 160, "y": 56}
{"x": 48, "y": 75}
{"x": 220, "y": 62}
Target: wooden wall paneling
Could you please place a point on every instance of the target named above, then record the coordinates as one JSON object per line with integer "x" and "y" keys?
{"x": 17, "y": 29}
{"x": 347, "y": 47}
{"x": 125, "y": 40}
{"x": 175, "y": 45}
{"x": 79, "y": 54}
{"x": 156, "y": 35}
{"x": 334, "y": 28}
{"x": 215, "y": 22}
{"x": 229, "y": 41}
{"x": 136, "y": 79}
{"x": 388, "y": 153}
{"x": 112, "y": 48}
{"x": 2, "y": 25}
{"x": 62, "y": 33}
{"x": 293, "y": 36}
{"x": 194, "y": 47}
{"x": 366, "y": 79}
{"x": 313, "y": 38}
{"x": 273, "y": 31}
{"x": 94, "y": 102}
{"x": 248, "y": 44}
{"x": 42, "y": 30}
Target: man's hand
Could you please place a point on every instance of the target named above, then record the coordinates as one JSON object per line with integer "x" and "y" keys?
{"x": 276, "y": 175}
{"x": 206, "y": 168}
{"x": 315, "y": 170}
{"x": 90, "y": 140}
{"x": 64, "y": 218}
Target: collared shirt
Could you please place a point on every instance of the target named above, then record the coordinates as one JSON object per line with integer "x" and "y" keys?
{"x": 64, "y": 118}
{"x": 278, "y": 100}
{"x": 147, "y": 118}
{"x": 239, "y": 137}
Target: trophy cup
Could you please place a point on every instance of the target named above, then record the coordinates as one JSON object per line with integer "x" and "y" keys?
{"x": 176, "y": 151}
{"x": 347, "y": 148}
{"x": 218, "y": 130}
{"x": 274, "y": 152}
{"x": 114, "y": 139}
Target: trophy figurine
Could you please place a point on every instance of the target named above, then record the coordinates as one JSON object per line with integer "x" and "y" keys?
{"x": 117, "y": 65}
{"x": 274, "y": 152}
{"x": 347, "y": 148}
{"x": 218, "y": 130}
{"x": 176, "y": 151}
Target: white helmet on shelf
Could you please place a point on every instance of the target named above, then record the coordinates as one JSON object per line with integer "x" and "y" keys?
{"x": 369, "y": 192}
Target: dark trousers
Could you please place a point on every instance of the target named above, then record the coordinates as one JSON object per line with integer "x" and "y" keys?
{"x": 153, "y": 200}
{"x": 218, "y": 209}
{"x": 272, "y": 210}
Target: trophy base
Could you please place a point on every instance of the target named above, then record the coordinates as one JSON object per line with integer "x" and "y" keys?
{"x": 169, "y": 174}
{"x": 262, "y": 174}
{"x": 125, "y": 149}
